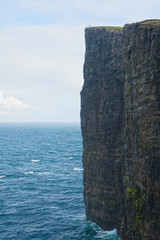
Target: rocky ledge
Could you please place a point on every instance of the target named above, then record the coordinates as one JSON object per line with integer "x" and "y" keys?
{"x": 120, "y": 121}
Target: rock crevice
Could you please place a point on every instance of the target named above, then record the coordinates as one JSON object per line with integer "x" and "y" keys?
{"x": 120, "y": 118}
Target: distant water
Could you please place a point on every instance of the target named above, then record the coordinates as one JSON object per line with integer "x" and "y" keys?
{"x": 41, "y": 184}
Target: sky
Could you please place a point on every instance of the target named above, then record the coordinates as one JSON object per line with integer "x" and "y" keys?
{"x": 42, "y": 51}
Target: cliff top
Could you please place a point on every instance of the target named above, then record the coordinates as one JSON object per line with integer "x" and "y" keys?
{"x": 108, "y": 28}
{"x": 147, "y": 23}
{"x": 151, "y": 21}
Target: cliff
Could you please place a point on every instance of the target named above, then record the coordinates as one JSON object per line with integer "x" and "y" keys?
{"x": 120, "y": 113}
{"x": 141, "y": 165}
{"x": 101, "y": 119}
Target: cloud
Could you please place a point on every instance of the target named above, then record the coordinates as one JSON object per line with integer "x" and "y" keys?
{"x": 42, "y": 53}
{"x": 93, "y": 11}
{"x": 3, "y": 113}
{"x": 10, "y": 104}
{"x": 76, "y": 12}
{"x": 43, "y": 65}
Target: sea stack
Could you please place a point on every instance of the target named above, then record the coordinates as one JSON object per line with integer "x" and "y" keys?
{"x": 120, "y": 121}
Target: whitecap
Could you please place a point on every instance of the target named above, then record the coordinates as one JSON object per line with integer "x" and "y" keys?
{"x": 44, "y": 173}
{"x": 3, "y": 176}
{"x": 33, "y": 160}
{"x": 114, "y": 231}
{"x": 28, "y": 172}
{"x": 78, "y": 169}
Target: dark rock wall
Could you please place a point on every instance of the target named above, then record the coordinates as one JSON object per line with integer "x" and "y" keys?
{"x": 120, "y": 119}
{"x": 141, "y": 169}
{"x": 101, "y": 120}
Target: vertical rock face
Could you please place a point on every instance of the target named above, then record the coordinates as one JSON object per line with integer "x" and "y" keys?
{"x": 141, "y": 170}
{"x": 101, "y": 118}
{"x": 120, "y": 121}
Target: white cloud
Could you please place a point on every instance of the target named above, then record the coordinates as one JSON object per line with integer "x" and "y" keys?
{"x": 43, "y": 66}
{"x": 93, "y": 11}
{"x": 10, "y": 104}
{"x": 42, "y": 52}
{"x": 3, "y": 113}
{"x": 48, "y": 53}
{"x": 40, "y": 5}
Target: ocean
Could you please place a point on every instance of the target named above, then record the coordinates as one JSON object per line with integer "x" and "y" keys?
{"x": 41, "y": 184}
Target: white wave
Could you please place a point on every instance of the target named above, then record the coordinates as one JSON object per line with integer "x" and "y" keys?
{"x": 2, "y": 176}
{"x": 33, "y": 160}
{"x": 114, "y": 231}
{"x": 28, "y": 173}
{"x": 44, "y": 173}
{"x": 78, "y": 169}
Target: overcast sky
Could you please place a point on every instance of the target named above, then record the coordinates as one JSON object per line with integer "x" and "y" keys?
{"x": 42, "y": 53}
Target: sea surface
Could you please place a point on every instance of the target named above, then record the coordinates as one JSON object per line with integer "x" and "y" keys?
{"x": 41, "y": 184}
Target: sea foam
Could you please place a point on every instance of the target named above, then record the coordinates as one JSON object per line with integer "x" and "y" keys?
{"x": 78, "y": 169}
{"x": 114, "y": 231}
{"x": 28, "y": 173}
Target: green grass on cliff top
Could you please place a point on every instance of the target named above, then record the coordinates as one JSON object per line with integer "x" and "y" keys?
{"x": 115, "y": 28}
{"x": 109, "y": 28}
{"x": 151, "y": 21}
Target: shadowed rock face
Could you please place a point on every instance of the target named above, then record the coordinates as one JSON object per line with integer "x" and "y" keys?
{"x": 120, "y": 118}
{"x": 101, "y": 117}
{"x": 141, "y": 169}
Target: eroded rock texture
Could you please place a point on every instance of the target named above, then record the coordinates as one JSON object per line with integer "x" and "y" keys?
{"x": 120, "y": 120}
{"x": 101, "y": 118}
{"x": 141, "y": 169}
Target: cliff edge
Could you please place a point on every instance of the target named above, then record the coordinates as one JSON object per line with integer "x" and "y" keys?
{"x": 120, "y": 119}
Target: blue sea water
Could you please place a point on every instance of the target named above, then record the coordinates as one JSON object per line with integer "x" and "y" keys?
{"x": 41, "y": 184}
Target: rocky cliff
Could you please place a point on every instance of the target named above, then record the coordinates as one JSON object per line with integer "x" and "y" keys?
{"x": 120, "y": 118}
{"x": 141, "y": 165}
{"x": 101, "y": 115}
